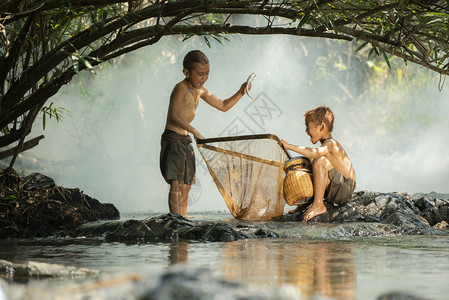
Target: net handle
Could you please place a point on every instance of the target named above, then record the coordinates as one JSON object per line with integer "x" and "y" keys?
{"x": 199, "y": 142}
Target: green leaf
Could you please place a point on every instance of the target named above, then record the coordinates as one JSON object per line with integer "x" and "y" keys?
{"x": 305, "y": 19}
{"x": 187, "y": 36}
{"x": 333, "y": 25}
{"x": 56, "y": 112}
{"x": 361, "y": 46}
{"x": 436, "y": 14}
{"x": 386, "y": 58}
{"x": 371, "y": 51}
{"x": 87, "y": 63}
{"x": 207, "y": 42}
{"x": 218, "y": 40}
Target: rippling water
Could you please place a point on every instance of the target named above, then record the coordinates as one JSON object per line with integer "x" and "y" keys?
{"x": 319, "y": 265}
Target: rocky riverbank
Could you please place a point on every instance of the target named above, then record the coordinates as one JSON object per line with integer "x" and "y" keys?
{"x": 34, "y": 206}
{"x": 420, "y": 214}
{"x": 369, "y": 214}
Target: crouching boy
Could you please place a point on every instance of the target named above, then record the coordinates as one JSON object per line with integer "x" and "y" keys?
{"x": 333, "y": 172}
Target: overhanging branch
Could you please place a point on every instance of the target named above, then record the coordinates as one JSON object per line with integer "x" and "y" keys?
{"x": 25, "y": 146}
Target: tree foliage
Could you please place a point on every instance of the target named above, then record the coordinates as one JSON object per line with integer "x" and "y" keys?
{"x": 44, "y": 43}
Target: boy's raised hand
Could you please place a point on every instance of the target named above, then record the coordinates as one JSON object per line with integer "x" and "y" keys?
{"x": 249, "y": 85}
{"x": 242, "y": 89}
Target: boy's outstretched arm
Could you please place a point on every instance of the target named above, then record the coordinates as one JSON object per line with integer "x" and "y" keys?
{"x": 176, "y": 109}
{"x": 224, "y": 105}
{"x": 320, "y": 151}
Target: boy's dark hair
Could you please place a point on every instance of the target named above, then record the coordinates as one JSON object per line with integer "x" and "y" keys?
{"x": 194, "y": 56}
{"x": 321, "y": 114}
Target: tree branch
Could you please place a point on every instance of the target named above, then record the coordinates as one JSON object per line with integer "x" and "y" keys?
{"x": 25, "y": 146}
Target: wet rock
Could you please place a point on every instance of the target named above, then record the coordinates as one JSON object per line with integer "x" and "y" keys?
{"x": 131, "y": 230}
{"x": 253, "y": 231}
{"x": 434, "y": 207}
{"x": 36, "y": 181}
{"x": 433, "y": 210}
{"x": 442, "y": 225}
{"x": 171, "y": 227}
{"x": 165, "y": 226}
{"x": 260, "y": 233}
{"x": 217, "y": 232}
{"x": 162, "y": 228}
{"x": 38, "y": 270}
{"x": 35, "y": 207}
{"x": 94, "y": 229}
{"x": 363, "y": 229}
{"x": 433, "y": 195}
{"x": 406, "y": 215}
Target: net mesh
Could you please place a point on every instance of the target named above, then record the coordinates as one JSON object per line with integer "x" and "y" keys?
{"x": 248, "y": 171}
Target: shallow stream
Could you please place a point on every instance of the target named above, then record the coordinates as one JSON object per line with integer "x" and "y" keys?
{"x": 320, "y": 265}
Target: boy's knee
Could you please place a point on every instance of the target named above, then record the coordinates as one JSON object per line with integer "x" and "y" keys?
{"x": 176, "y": 185}
{"x": 186, "y": 187}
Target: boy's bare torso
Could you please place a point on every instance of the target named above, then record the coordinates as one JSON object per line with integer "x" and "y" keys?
{"x": 186, "y": 107}
{"x": 338, "y": 158}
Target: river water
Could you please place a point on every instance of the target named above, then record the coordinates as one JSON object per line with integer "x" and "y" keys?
{"x": 320, "y": 264}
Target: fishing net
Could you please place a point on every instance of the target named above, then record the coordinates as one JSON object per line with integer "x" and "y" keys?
{"x": 248, "y": 171}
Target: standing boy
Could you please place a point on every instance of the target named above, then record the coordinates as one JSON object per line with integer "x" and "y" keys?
{"x": 177, "y": 159}
{"x": 333, "y": 172}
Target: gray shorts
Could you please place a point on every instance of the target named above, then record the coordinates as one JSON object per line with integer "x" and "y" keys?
{"x": 177, "y": 159}
{"x": 340, "y": 188}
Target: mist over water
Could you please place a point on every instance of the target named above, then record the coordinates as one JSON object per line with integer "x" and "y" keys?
{"x": 110, "y": 145}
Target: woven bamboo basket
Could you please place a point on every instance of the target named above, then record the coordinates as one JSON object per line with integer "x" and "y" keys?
{"x": 298, "y": 185}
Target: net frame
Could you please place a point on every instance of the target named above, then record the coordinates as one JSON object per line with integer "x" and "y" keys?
{"x": 235, "y": 206}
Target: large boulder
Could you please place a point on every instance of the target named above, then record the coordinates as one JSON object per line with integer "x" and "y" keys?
{"x": 35, "y": 207}
{"x": 433, "y": 207}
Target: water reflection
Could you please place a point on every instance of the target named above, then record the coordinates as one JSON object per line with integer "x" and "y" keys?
{"x": 317, "y": 266}
{"x": 178, "y": 253}
{"x": 322, "y": 268}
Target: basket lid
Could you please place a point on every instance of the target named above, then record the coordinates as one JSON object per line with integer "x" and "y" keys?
{"x": 300, "y": 161}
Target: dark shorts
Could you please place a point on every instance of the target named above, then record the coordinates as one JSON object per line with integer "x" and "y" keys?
{"x": 177, "y": 159}
{"x": 340, "y": 188}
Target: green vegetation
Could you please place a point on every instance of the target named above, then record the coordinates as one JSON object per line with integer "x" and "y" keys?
{"x": 45, "y": 43}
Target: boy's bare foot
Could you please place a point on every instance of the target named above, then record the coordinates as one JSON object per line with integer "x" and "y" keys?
{"x": 314, "y": 211}
{"x": 300, "y": 205}
{"x": 297, "y": 209}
